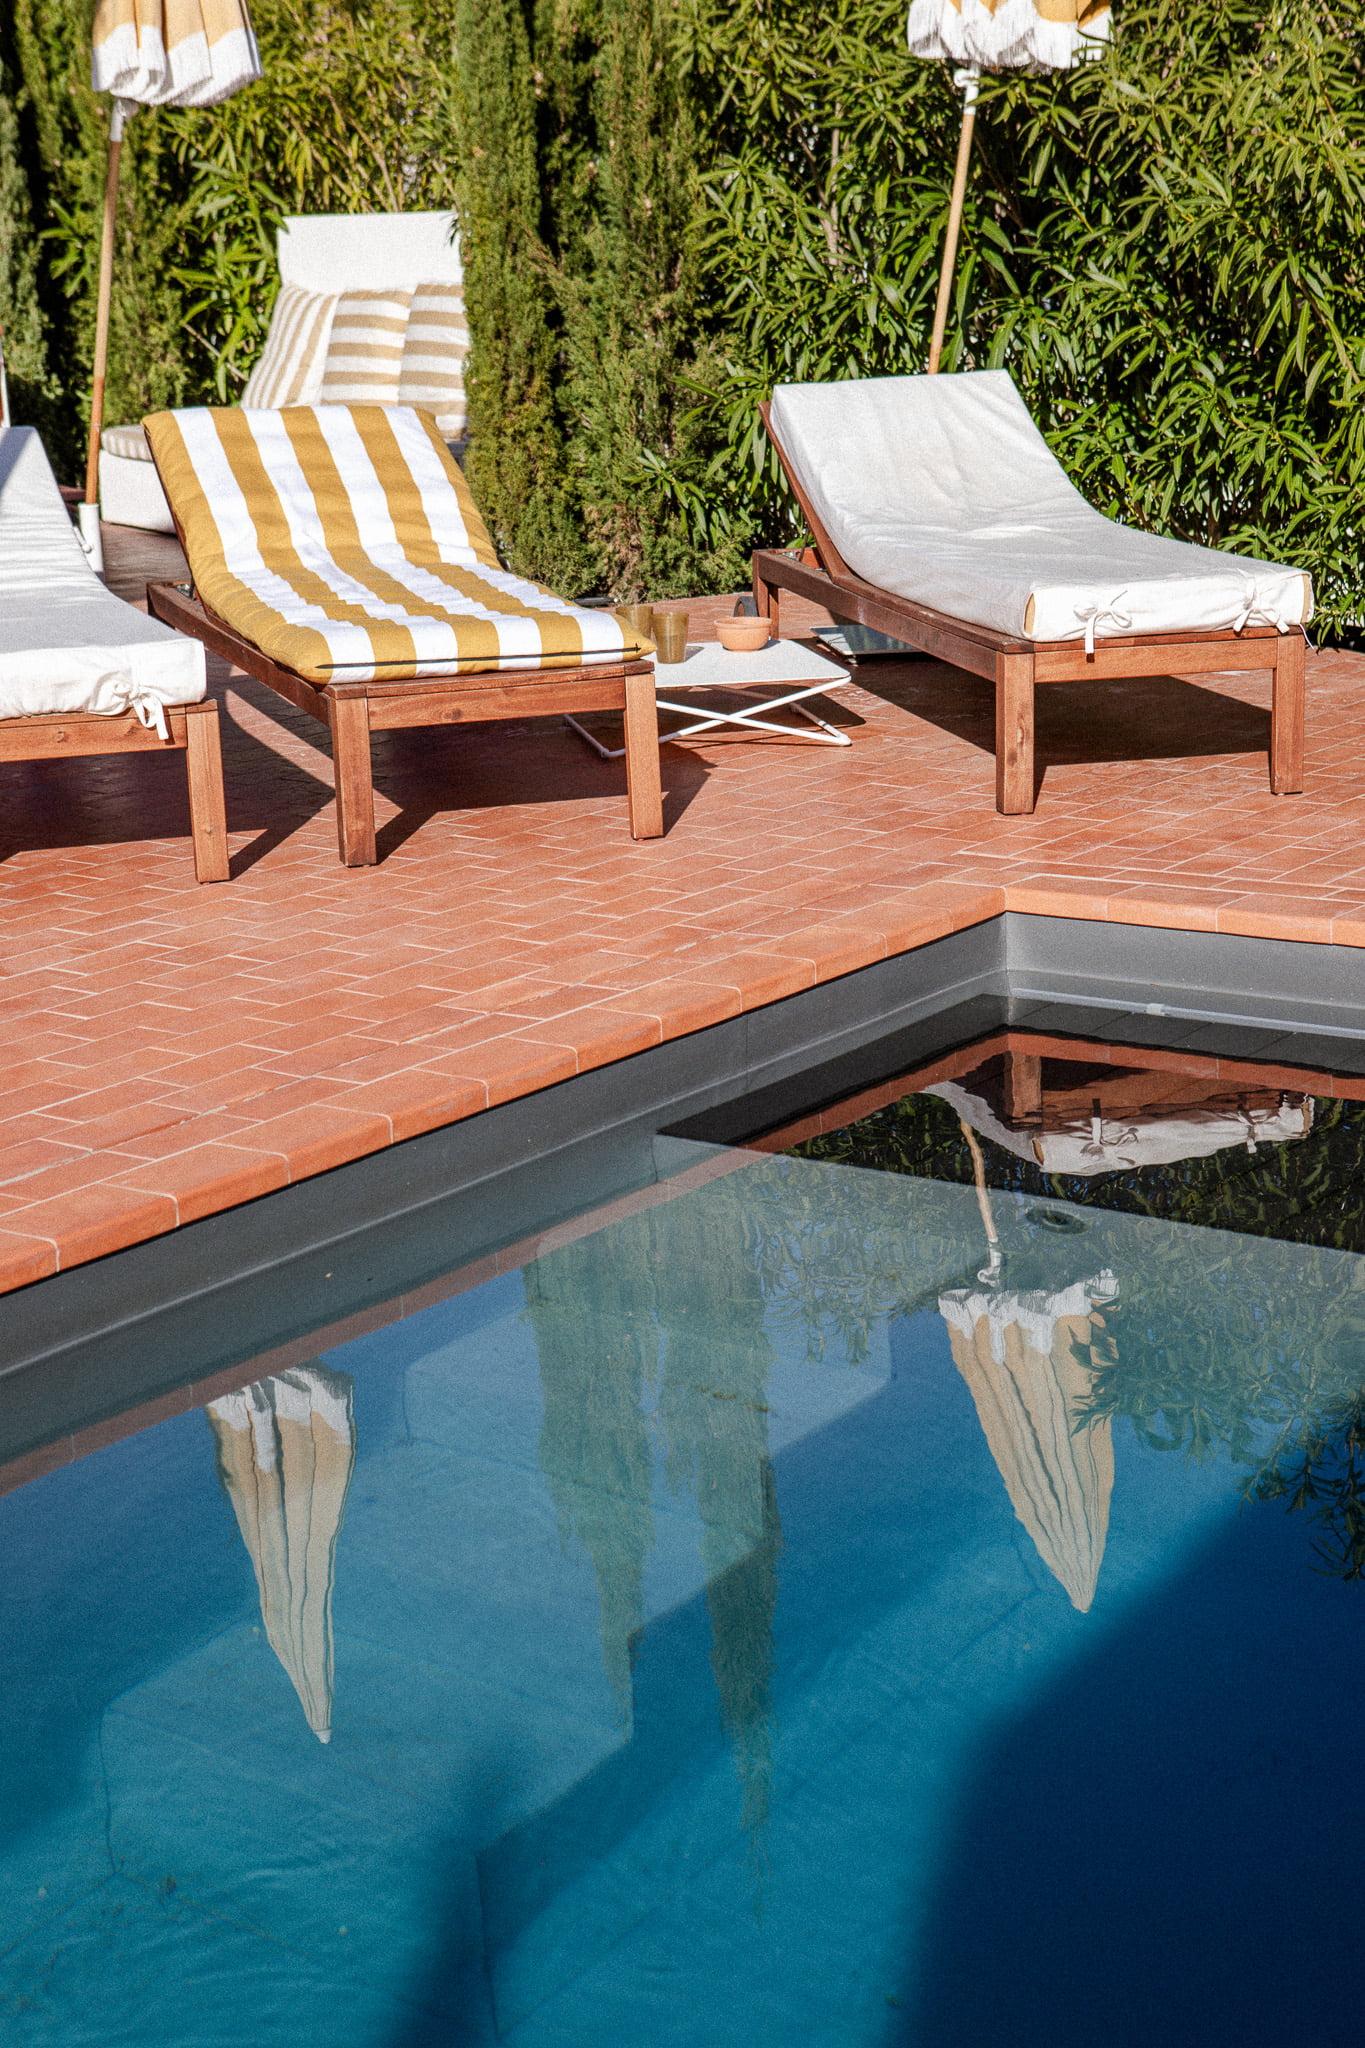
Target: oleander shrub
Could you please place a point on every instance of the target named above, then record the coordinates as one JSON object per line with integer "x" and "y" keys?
{"x": 1164, "y": 248}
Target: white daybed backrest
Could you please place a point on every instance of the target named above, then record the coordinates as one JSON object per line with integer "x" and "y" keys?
{"x": 956, "y": 451}
{"x": 337, "y": 252}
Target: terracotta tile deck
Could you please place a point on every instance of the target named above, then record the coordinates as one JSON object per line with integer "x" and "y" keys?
{"x": 176, "y": 1050}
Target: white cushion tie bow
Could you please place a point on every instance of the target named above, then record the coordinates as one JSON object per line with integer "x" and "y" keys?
{"x": 1091, "y": 615}
{"x": 1255, "y": 612}
{"x": 123, "y": 692}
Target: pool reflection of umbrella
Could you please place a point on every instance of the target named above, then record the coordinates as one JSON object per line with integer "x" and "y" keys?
{"x": 286, "y": 1450}
{"x": 1028, "y": 1363}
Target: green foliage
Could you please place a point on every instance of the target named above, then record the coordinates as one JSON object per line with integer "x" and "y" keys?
{"x": 1163, "y": 248}
{"x": 627, "y": 283}
{"x": 830, "y": 154}
{"x": 23, "y": 325}
{"x": 515, "y": 460}
{"x": 581, "y": 206}
{"x": 65, "y": 134}
{"x": 671, "y": 206}
{"x": 353, "y": 115}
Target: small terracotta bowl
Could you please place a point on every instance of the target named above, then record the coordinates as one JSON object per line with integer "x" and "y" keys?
{"x": 743, "y": 636}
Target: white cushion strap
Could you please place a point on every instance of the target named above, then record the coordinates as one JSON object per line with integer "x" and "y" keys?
{"x": 1093, "y": 615}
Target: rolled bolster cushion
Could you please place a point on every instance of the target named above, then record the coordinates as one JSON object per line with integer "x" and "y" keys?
{"x": 129, "y": 443}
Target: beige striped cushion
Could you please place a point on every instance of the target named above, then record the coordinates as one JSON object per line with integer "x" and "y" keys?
{"x": 289, "y": 369}
{"x": 129, "y": 442}
{"x": 365, "y": 349}
{"x": 434, "y": 349}
{"x": 343, "y": 541}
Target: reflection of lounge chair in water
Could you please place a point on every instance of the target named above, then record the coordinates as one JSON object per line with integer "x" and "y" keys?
{"x": 1067, "y": 1118}
{"x": 1027, "y": 1359}
{"x": 286, "y": 1450}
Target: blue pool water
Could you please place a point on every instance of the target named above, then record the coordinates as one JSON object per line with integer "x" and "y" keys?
{"x": 772, "y": 1616}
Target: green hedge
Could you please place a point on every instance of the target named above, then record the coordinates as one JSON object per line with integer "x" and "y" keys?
{"x": 1166, "y": 249}
{"x": 671, "y": 204}
{"x": 354, "y": 113}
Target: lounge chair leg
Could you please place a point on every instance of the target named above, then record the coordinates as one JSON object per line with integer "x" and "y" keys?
{"x": 1286, "y": 716}
{"x": 769, "y": 602}
{"x": 204, "y": 773}
{"x": 350, "y": 720}
{"x": 644, "y": 793}
{"x": 1023, "y": 1085}
{"x": 1014, "y": 790}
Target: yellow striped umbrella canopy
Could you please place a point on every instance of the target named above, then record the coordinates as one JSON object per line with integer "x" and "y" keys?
{"x": 286, "y": 1451}
{"x": 1030, "y": 1364}
{"x": 1009, "y": 35}
{"x": 152, "y": 53}
{"x": 172, "y": 53}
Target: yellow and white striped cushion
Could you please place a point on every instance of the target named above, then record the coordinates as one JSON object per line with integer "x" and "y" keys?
{"x": 343, "y": 541}
{"x": 289, "y": 368}
{"x": 435, "y": 345}
{"x": 365, "y": 349}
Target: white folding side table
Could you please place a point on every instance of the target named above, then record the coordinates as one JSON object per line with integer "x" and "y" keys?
{"x": 786, "y": 671}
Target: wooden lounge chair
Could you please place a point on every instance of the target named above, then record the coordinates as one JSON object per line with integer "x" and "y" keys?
{"x": 338, "y": 558}
{"x": 941, "y": 517}
{"x": 83, "y": 673}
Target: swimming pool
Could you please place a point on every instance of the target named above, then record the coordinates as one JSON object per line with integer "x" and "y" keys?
{"x": 802, "y": 1601}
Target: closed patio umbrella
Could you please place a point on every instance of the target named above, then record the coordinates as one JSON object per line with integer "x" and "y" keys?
{"x": 152, "y": 53}
{"x": 1029, "y": 1364}
{"x": 286, "y": 1450}
{"x": 995, "y": 35}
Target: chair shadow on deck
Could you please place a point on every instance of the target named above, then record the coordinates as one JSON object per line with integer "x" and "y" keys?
{"x": 429, "y": 770}
{"x": 1150, "y": 718}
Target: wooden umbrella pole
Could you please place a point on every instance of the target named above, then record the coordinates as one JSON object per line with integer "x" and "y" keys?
{"x": 106, "y": 280}
{"x": 971, "y": 83}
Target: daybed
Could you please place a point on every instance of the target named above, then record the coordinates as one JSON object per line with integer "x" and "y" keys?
{"x": 339, "y": 558}
{"x": 941, "y": 516}
{"x": 81, "y": 672}
{"x": 400, "y": 272}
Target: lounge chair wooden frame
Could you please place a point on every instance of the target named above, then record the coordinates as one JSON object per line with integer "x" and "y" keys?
{"x": 58, "y": 736}
{"x": 353, "y": 711}
{"x": 1016, "y": 666}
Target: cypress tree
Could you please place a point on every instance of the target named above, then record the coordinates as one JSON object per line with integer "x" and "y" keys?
{"x": 22, "y": 320}
{"x": 516, "y": 453}
{"x": 629, "y": 293}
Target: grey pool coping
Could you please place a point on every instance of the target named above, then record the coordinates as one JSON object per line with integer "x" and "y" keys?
{"x": 83, "y": 1345}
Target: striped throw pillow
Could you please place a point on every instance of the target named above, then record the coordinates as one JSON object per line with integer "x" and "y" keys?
{"x": 365, "y": 349}
{"x": 289, "y": 370}
{"x": 434, "y": 349}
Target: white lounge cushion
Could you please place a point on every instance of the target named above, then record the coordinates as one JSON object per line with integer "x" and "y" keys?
{"x": 66, "y": 643}
{"x": 942, "y": 490}
{"x": 131, "y": 493}
{"x": 333, "y": 252}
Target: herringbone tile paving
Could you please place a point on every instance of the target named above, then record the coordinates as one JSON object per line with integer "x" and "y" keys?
{"x": 176, "y": 1050}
